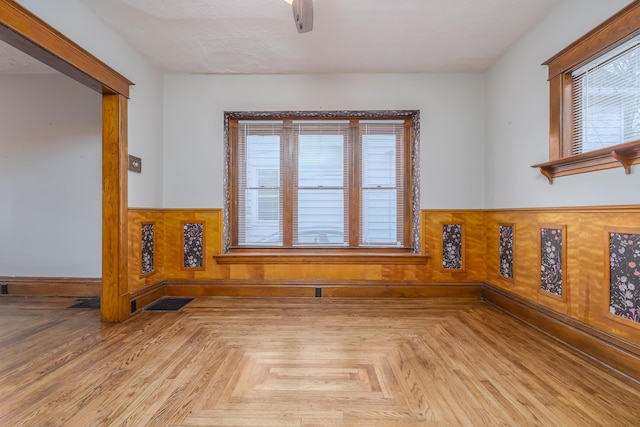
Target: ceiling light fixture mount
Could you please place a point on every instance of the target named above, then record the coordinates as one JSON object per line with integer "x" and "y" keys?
{"x": 303, "y": 15}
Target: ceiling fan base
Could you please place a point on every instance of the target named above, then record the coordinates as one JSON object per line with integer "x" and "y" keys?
{"x": 303, "y": 15}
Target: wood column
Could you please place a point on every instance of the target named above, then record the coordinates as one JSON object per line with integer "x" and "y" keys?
{"x": 114, "y": 305}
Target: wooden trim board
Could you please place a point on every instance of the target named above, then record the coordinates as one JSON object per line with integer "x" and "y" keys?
{"x": 52, "y": 286}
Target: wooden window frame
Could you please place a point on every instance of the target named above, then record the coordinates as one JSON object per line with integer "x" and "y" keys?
{"x": 411, "y": 243}
{"x": 616, "y": 30}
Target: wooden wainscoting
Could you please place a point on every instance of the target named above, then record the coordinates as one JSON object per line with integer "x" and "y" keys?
{"x": 580, "y": 316}
{"x": 168, "y": 260}
{"x": 137, "y": 217}
{"x": 174, "y": 222}
{"x": 586, "y": 286}
{"x": 473, "y": 247}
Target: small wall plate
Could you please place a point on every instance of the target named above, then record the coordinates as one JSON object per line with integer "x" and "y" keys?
{"x": 135, "y": 164}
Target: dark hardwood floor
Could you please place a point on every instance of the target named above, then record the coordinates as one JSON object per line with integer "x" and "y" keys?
{"x": 297, "y": 362}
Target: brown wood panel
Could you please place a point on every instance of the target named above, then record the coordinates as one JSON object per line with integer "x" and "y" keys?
{"x": 341, "y": 362}
{"x": 174, "y": 249}
{"x": 246, "y": 271}
{"x": 137, "y": 217}
{"x": 53, "y": 286}
{"x": 403, "y": 273}
{"x": 474, "y": 263}
{"x": 315, "y": 271}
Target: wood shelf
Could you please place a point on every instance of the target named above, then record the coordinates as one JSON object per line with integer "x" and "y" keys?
{"x": 624, "y": 155}
{"x": 336, "y": 256}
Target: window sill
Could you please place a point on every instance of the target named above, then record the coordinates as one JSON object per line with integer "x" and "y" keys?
{"x": 321, "y": 256}
{"x": 624, "y": 155}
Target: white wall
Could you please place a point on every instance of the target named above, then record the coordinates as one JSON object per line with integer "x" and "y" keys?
{"x": 517, "y": 120}
{"x": 76, "y": 21}
{"x": 50, "y": 177}
{"x": 50, "y": 153}
{"x": 452, "y": 129}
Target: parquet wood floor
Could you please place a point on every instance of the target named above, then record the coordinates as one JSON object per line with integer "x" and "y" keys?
{"x": 297, "y": 362}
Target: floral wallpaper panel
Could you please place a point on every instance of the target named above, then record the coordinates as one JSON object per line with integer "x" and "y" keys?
{"x": 193, "y": 245}
{"x": 551, "y": 260}
{"x": 506, "y": 251}
{"x": 147, "y": 248}
{"x": 624, "y": 256}
{"x": 452, "y": 246}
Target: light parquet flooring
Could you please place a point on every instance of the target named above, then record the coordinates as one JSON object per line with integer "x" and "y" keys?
{"x": 297, "y": 362}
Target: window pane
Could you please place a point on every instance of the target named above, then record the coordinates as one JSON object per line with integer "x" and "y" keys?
{"x": 320, "y": 217}
{"x": 320, "y": 160}
{"x": 382, "y": 177}
{"x": 378, "y": 160}
{"x": 319, "y": 209}
{"x": 260, "y": 212}
{"x": 262, "y": 221}
{"x": 606, "y": 109}
{"x": 379, "y": 213}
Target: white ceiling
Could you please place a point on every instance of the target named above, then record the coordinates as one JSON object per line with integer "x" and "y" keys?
{"x": 259, "y": 36}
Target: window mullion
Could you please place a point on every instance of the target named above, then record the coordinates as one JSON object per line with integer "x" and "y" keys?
{"x": 289, "y": 174}
{"x": 354, "y": 193}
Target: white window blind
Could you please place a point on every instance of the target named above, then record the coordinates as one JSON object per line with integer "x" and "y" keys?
{"x": 606, "y": 100}
{"x": 321, "y": 196}
{"x": 259, "y": 183}
{"x": 319, "y": 183}
{"x": 382, "y": 182}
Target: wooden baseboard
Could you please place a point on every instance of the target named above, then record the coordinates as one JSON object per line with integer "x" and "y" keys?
{"x": 328, "y": 288}
{"x": 147, "y": 296}
{"x": 52, "y": 286}
{"x": 619, "y": 356}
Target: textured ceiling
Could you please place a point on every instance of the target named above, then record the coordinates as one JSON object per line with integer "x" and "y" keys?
{"x": 259, "y": 36}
